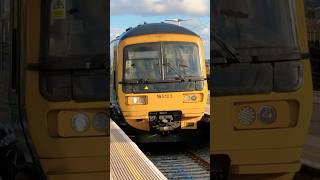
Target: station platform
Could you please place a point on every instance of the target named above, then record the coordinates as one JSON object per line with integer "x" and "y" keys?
{"x": 127, "y": 161}
{"x": 311, "y": 151}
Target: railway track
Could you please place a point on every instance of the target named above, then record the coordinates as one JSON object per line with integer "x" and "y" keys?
{"x": 180, "y": 161}
{"x": 182, "y": 165}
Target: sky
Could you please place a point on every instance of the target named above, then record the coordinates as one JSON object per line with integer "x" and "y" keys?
{"x": 130, "y": 13}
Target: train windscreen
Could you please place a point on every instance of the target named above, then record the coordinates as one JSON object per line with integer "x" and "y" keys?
{"x": 162, "y": 61}
{"x": 77, "y": 28}
{"x": 74, "y": 40}
{"x": 165, "y": 66}
{"x": 143, "y": 61}
{"x": 257, "y": 29}
{"x": 263, "y": 32}
{"x": 183, "y": 58}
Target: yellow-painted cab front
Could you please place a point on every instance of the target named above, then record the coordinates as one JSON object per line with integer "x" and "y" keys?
{"x": 160, "y": 76}
{"x": 138, "y": 115}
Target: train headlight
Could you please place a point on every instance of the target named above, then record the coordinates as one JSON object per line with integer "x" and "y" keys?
{"x": 192, "y": 98}
{"x": 80, "y": 122}
{"x": 246, "y": 116}
{"x": 136, "y": 100}
{"x": 99, "y": 122}
{"x": 268, "y": 114}
{"x": 199, "y": 85}
{"x": 186, "y": 98}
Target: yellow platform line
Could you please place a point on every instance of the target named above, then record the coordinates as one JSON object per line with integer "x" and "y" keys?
{"x": 127, "y": 161}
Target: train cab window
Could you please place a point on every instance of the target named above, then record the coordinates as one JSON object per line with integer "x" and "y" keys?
{"x": 183, "y": 58}
{"x": 143, "y": 62}
{"x": 74, "y": 49}
{"x": 257, "y": 29}
{"x": 164, "y": 65}
{"x": 76, "y": 28}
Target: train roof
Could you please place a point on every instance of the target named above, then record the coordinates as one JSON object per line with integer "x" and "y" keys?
{"x": 155, "y": 28}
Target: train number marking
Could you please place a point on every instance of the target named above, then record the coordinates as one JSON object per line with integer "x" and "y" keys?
{"x": 164, "y": 96}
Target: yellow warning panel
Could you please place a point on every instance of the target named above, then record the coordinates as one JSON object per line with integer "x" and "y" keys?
{"x": 128, "y": 64}
{"x": 58, "y": 9}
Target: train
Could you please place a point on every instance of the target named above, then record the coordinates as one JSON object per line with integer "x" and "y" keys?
{"x": 158, "y": 80}
{"x": 54, "y": 118}
{"x": 262, "y": 84}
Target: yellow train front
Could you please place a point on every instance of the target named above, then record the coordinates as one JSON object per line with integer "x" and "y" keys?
{"x": 159, "y": 78}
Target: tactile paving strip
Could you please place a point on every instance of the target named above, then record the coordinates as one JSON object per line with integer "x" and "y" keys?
{"x": 127, "y": 161}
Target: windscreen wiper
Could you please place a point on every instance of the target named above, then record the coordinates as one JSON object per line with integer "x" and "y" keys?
{"x": 146, "y": 81}
{"x": 175, "y": 71}
{"x": 233, "y": 54}
{"x": 195, "y": 78}
{"x": 138, "y": 81}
